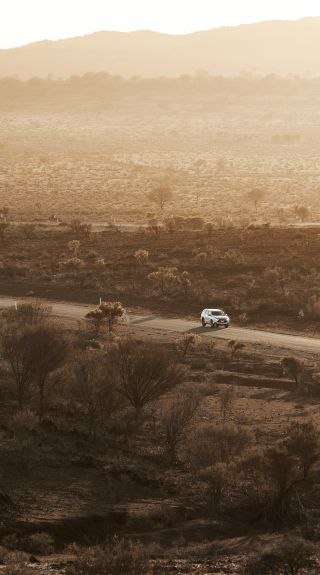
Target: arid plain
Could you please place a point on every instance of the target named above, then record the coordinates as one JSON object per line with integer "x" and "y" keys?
{"x": 145, "y": 450}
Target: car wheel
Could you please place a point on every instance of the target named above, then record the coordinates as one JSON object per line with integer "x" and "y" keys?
{"x": 203, "y": 323}
{"x": 226, "y": 326}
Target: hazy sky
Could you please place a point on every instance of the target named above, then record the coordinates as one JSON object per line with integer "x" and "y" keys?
{"x": 24, "y": 21}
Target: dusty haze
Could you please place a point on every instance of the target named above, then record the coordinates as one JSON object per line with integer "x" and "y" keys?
{"x": 270, "y": 47}
{"x": 162, "y": 415}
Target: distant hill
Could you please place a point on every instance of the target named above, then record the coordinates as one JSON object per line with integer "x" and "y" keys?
{"x": 279, "y": 47}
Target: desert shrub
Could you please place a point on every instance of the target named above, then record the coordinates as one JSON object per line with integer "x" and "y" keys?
{"x": 280, "y": 476}
{"x": 188, "y": 341}
{"x": 119, "y": 557}
{"x": 313, "y": 307}
{"x": 233, "y": 256}
{"x": 28, "y": 230}
{"x": 213, "y": 444}
{"x": 302, "y": 212}
{"x": 256, "y": 195}
{"x": 15, "y": 569}
{"x": 235, "y": 347}
{"x": 11, "y": 541}
{"x": 218, "y": 479}
{"x": 194, "y": 223}
{"x": 290, "y": 556}
{"x": 73, "y": 246}
{"x": 73, "y": 264}
{"x": 27, "y": 312}
{"x": 313, "y": 387}
{"x": 169, "y": 281}
{"x": 209, "y": 227}
{"x": 141, "y": 256}
{"x": 201, "y": 257}
{"x": 294, "y": 368}
{"x": 303, "y": 442}
{"x": 226, "y": 399}
{"x": 41, "y": 543}
{"x": 110, "y": 312}
{"x": 23, "y": 424}
{"x": 77, "y": 227}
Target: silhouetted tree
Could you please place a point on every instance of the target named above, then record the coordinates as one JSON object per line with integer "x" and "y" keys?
{"x": 255, "y": 196}
{"x": 161, "y": 195}
{"x": 18, "y": 352}
{"x": 145, "y": 372}
{"x": 49, "y": 349}
{"x": 95, "y": 389}
{"x": 302, "y": 212}
{"x": 177, "y": 420}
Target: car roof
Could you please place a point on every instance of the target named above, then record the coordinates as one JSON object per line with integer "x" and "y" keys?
{"x": 213, "y": 309}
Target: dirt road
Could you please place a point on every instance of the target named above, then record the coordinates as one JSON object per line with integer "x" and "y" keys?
{"x": 264, "y": 338}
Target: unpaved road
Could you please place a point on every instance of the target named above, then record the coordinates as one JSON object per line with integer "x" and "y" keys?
{"x": 253, "y": 336}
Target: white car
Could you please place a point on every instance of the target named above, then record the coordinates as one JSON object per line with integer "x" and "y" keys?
{"x": 214, "y": 317}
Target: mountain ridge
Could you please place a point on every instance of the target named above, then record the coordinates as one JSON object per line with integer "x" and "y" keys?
{"x": 281, "y": 47}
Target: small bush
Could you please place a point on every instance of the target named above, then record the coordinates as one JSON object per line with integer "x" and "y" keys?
{"x": 17, "y": 570}
{"x": 290, "y": 556}
{"x": 213, "y": 444}
{"x": 117, "y": 557}
{"x": 41, "y": 543}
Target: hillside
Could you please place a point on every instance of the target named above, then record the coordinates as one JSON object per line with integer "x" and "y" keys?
{"x": 279, "y": 47}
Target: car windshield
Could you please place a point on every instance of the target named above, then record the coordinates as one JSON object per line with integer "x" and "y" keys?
{"x": 217, "y": 312}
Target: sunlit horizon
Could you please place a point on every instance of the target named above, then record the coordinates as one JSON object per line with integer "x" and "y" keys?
{"x": 23, "y": 22}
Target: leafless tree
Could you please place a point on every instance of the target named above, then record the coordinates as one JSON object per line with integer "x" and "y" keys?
{"x": 177, "y": 420}
{"x": 160, "y": 195}
{"x": 17, "y": 351}
{"x": 145, "y": 372}
{"x": 49, "y": 349}
{"x": 256, "y": 195}
{"x": 32, "y": 352}
{"x": 95, "y": 389}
